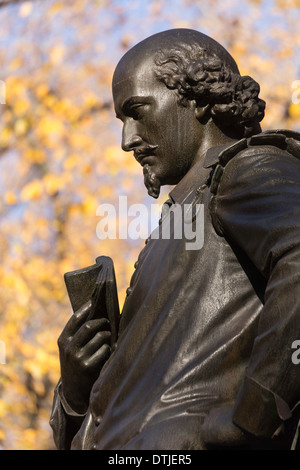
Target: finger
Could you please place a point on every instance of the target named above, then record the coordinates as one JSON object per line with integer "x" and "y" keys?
{"x": 100, "y": 339}
{"x": 88, "y": 330}
{"x": 77, "y": 320}
{"x": 97, "y": 360}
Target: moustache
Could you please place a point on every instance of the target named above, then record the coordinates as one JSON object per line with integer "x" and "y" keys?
{"x": 144, "y": 151}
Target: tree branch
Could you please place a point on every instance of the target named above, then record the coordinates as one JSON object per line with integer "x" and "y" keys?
{"x": 4, "y": 3}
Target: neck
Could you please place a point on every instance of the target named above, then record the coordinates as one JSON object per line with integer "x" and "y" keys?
{"x": 213, "y": 137}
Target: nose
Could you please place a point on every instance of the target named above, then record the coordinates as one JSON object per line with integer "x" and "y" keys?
{"x": 130, "y": 136}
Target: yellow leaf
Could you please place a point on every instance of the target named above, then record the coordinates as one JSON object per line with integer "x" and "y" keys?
{"x": 16, "y": 63}
{"x": 57, "y": 54}
{"x": 21, "y": 106}
{"x": 21, "y": 126}
{"x": 10, "y": 197}
{"x": 3, "y": 408}
{"x": 27, "y": 350}
{"x": 91, "y": 100}
{"x": 87, "y": 169}
{"x": 35, "y": 155}
{"x": 53, "y": 183}
{"x": 50, "y": 100}
{"x": 5, "y": 137}
{"x": 66, "y": 109}
{"x": 15, "y": 87}
{"x": 71, "y": 162}
{"x": 42, "y": 90}
{"x": 32, "y": 190}
{"x": 80, "y": 141}
{"x": 56, "y": 7}
{"x": 50, "y": 125}
{"x": 29, "y": 437}
{"x": 89, "y": 205}
{"x": 294, "y": 111}
{"x": 114, "y": 154}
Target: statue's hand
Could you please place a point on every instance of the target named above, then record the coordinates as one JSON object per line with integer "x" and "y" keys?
{"x": 84, "y": 347}
{"x": 218, "y": 429}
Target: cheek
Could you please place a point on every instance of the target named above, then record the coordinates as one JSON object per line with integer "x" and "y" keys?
{"x": 181, "y": 135}
{"x": 174, "y": 130}
{"x": 169, "y": 130}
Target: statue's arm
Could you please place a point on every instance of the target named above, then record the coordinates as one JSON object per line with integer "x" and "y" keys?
{"x": 84, "y": 347}
{"x": 257, "y": 208}
{"x": 65, "y": 423}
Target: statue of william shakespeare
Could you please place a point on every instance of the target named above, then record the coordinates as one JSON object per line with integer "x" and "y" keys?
{"x": 202, "y": 356}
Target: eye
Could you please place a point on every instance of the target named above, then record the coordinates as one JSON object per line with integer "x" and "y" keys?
{"x": 136, "y": 107}
{"x": 137, "y": 110}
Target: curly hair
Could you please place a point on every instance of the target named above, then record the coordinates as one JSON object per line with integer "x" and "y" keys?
{"x": 202, "y": 76}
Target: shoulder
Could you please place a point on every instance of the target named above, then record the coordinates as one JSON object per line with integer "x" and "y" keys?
{"x": 262, "y": 156}
{"x": 258, "y": 186}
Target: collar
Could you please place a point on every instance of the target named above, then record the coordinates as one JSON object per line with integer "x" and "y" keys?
{"x": 212, "y": 155}
{"x": 196, "y": 175}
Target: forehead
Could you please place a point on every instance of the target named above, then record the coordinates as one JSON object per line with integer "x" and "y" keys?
{"x": 135, "y": 76}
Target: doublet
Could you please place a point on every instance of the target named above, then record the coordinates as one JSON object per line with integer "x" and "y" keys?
{"x": 211, "y": 327}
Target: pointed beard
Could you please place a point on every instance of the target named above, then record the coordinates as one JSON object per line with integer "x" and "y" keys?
{"x": 151, "y": 182}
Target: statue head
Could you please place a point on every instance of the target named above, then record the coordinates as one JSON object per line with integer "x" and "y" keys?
{"x": 174, "y": 91}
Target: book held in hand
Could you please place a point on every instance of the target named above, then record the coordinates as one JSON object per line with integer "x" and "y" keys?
{"x": 96, "y": 283}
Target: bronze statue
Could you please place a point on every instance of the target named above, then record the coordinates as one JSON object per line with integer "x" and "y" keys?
{"x": 202, "y": 359}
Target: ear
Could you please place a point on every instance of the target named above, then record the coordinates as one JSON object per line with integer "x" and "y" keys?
{"x": 202, "y": 113}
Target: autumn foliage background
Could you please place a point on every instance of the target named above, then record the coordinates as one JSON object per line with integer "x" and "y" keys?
{"x": 60, "y": 158}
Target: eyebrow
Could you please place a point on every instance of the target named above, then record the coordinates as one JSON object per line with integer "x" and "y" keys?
{"x": 135, "y": 100}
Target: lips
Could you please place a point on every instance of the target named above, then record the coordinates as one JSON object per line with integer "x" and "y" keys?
{"x": 143, "y": 153}
{"x": 143, "y": 159}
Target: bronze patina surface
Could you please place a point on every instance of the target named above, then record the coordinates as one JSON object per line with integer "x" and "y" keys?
{"x": 202, "y": 358}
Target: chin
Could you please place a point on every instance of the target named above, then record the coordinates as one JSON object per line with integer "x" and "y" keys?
{"x": 151, "y": 181}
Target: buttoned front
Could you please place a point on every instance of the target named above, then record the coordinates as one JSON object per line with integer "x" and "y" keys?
{"x": 195, "y": 332}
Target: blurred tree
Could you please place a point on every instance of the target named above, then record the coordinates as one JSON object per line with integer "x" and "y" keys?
{"x": 60, "y": 158}
{"x": 4, "y": 3}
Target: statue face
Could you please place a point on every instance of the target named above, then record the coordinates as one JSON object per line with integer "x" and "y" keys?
{"x": 164, "y": 136}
